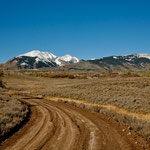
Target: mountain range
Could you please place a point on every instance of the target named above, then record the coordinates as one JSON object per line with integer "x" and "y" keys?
{"x": 37, "y": 59}
{"x": 133, "y": 62}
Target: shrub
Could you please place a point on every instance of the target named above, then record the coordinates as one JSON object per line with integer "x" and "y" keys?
{"x": 1, "y": 82}
{"x": 12, "y": 113}
{"x": 1, "y": 73}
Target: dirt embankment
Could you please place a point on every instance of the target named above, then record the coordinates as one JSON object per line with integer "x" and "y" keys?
{"x": 58, "y": 126}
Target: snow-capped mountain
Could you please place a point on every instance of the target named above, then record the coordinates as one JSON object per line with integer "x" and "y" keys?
{"x": 133, "y": 62}
{"x": 126, "y": 62}
{"x": 67, "y": 59}
{"x": 143, "y": 56}
{"x": 133, "y": 57}
{"x": 41, "y": 56}
{"x": 38, "y": 59}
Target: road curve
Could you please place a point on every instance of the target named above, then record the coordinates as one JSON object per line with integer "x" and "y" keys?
{"x": 56, "y": 126}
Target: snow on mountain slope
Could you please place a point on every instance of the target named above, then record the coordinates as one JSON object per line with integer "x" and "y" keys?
{"x": 143, "y": 56}
{"x": 67, "y": 59}
{"x": 132, "y": 57}
{"x": 37, "y": 59}
{"x": 137, "y": 55}
{"x": 47, "y": 57}
{"x": 41, "y": 56}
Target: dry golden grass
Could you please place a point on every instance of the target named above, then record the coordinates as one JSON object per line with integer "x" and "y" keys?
{"x": 83, "y": 75}
{"x": 59, "y": 75}
{"x": 126, "y": 99}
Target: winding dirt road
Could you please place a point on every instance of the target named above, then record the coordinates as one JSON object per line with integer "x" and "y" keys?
{"x": 57, "y": 126}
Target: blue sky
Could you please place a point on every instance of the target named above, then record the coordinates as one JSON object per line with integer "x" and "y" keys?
{"x": 83, "y": 28}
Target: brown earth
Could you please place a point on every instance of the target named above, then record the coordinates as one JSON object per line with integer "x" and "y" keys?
{"x": 58, "y": 126}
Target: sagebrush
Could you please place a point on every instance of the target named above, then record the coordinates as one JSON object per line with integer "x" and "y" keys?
{"x": 12, "y": 113}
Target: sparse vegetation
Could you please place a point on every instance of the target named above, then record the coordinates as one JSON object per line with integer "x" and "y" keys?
{"x": 126, "y": 91}
{"x": 81, "y": 75}
{"x": 12, "y": 113}
{"x": 59, "y": 75}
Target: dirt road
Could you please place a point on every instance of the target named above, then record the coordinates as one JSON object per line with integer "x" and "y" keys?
{"x": 56, "y": 126}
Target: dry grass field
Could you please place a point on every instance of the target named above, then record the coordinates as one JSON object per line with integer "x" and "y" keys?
{"x": 126, "y": 99}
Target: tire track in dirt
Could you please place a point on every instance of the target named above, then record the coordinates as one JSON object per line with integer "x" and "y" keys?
{"x": 59, "y": 126}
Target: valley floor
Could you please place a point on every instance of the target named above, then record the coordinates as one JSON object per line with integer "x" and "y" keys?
{"x": 126, "y": 100}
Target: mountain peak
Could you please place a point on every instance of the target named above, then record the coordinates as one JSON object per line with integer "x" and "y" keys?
{"x": 67, "y": 59}
{"x": 39, "y": 59}
{"x": 37, "y": 53}
{"x": 31, "y": 53}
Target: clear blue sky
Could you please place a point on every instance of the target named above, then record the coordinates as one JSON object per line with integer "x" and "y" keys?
{"x": 83, "y": 28}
